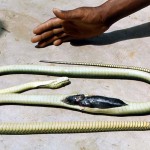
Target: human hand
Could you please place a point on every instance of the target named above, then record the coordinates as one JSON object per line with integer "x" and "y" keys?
{"x": 80, "y": 23}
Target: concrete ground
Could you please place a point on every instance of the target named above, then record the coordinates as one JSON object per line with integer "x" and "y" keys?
{"x": 126, "y": 42}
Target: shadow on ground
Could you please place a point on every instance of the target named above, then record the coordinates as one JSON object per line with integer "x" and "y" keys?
{"x": 139, "y": 31}
{"x": 2, "y": 28}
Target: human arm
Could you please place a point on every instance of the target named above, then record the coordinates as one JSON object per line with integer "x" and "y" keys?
{"x": 84, "y": 22}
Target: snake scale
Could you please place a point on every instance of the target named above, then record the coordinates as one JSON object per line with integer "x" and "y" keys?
{"x": 86, "y": 103}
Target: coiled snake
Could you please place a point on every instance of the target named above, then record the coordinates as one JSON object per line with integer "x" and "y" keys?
{"x": 92, "y": 104}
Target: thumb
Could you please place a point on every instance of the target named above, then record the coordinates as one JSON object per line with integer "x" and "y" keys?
{"x": 67, "y": 15}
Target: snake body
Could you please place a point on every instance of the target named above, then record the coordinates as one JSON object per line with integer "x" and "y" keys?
{"x": 51, "y": 84}
{"x": 100, "y": 106}
{"x": 58, "y": 100}
{"x": 78, "y": 72}
{"x": 72, "y": 127}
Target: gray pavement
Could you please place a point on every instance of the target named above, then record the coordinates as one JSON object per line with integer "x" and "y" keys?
{"x": 125, "y": 43}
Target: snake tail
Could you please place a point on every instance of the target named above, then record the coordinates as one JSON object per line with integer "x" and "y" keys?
{"x": 98, "y": 65}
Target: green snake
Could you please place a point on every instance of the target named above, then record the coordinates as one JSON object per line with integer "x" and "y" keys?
{"x": 86, "y": 103}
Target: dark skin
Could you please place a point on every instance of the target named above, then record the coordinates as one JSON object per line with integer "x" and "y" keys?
{"x": 84, "y": 22}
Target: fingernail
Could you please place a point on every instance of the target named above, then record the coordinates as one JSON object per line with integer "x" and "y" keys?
{"x": 37, "y": 46}
{"x": 34, "y": 30}
{"x": 56, "y": 9}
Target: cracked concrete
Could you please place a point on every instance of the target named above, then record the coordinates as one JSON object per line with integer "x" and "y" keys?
{"x": 126, "y": 43}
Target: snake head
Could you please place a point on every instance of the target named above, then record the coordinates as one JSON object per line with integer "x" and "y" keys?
{"x": 74, "y": 99}
{"x": 60, "y": 82}
{"x": 54, "y": 84}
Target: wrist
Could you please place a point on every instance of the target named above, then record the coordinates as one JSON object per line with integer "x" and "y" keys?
{"x": 114, "y": 10}
{"x": 107, "y": 13}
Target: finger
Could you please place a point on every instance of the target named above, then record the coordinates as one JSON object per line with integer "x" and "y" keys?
{"x": 68, "y": 15}
{"x": 57, "y": 42}
{"x": 50, "y": 24}
{"x": 62, "y": 40}
{"x": 50, "y": 41}
{"x": 46, "y": 35}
